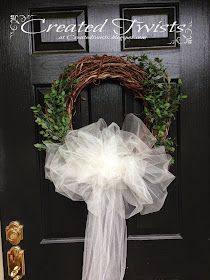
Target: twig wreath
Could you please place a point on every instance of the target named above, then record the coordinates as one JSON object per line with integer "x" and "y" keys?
{"x": 146, "y": 78}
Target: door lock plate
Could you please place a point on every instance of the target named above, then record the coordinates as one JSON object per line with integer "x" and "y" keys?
{"x": 16, "y": 263}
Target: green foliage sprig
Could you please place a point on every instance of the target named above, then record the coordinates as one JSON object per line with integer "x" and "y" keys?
{"x": 162, "y": 99}
{"x": 53, "y": 119}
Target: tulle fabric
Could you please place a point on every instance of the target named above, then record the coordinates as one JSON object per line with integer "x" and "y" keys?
{"x": 118, "y": 173}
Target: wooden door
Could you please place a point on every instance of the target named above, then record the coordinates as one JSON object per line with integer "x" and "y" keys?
{"x": 171, "y": 244}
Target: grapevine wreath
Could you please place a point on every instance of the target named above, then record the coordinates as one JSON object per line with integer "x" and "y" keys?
{"x": 117, "y": 172}
{"x": 147, "y": 79}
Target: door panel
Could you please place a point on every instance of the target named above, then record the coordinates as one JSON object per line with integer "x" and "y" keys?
{"x": 161, "y": 246}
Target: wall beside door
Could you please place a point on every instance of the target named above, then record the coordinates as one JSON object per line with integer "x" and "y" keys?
{"x": 1, "y": 258}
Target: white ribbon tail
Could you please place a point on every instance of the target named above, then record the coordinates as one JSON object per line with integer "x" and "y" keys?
{"x": 105, "y": 247}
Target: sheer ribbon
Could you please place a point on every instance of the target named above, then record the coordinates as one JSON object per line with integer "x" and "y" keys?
{"x": 118, "y": 173}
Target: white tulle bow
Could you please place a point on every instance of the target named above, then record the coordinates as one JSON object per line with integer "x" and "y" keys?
{"x": 118, "y": 173}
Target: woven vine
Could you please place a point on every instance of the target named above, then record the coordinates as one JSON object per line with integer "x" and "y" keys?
{"x": 146, "y": 78}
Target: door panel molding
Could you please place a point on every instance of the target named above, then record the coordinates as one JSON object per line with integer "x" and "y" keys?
{"x": 52, "y": 41}
{"x": 47, "y": 68}
{"x": 149, "y": 13}
{"x": 146, "y": 237}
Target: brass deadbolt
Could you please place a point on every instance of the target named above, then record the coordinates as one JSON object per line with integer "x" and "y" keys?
{"x": 14, "y": 233}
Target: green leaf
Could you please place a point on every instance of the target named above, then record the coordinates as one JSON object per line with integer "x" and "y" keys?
{"x": 179, "y": 82}
{"x": 40, "y": 147}
{"x": 158, "y": 112}
{"x": 33, "y": 107}
{"x": 184, "y": 97}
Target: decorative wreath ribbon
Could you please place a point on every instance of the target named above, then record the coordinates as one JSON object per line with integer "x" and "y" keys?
{"x": 118, "y": 173}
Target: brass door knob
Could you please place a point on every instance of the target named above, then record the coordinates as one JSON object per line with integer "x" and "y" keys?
{"x": 14, "y": 233}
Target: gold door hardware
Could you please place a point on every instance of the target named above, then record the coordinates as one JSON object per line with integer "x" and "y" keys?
{"x": 16, "y": 263}
{"x": 14, "y": 233}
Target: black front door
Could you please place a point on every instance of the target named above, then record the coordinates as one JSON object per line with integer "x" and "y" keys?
{"x": 171, "y": 244}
